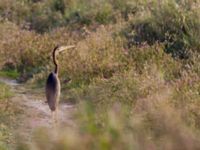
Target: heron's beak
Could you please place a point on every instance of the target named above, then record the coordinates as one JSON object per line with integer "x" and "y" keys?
{"x": 62, "y": 48}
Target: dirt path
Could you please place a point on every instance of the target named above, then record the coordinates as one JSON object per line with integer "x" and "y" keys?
{"x": 35, "y": 112}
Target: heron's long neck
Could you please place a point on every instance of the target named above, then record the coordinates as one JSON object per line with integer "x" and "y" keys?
{"x": 55, "y": 62}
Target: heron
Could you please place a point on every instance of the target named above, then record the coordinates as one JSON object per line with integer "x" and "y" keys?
{"x": 53, "y": 82}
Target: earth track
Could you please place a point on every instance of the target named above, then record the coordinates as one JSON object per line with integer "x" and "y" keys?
{"x": 35, "y": 113}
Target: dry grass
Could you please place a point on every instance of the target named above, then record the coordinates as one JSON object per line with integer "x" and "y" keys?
{"x": 133, "y": 90}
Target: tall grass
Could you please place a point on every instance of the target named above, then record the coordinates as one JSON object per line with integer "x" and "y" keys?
{"x": 134, "y": 72}
{"x": 5, "y": 116}
{"x": 175, "y": 23}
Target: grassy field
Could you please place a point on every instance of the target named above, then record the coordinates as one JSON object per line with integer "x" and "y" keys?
{"x": 5, "y": 116}
{"x": 134, "y": 74}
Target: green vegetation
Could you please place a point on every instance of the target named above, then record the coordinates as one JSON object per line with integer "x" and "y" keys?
{"x": 134, "y": 74}
{"x": 5, "y": 116}
{"x": 174, "y": 23}
{"x": 12, "y": 74}
{"x": 5, "y": 92}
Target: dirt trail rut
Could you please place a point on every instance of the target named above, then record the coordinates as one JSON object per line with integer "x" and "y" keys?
{"x": 35, "y": 112}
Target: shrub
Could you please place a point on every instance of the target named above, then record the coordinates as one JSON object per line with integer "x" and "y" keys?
{"x": 171, "y": 23}
{"x": 29, "y": 52}
{"x": 98, "y": 55}
{"x": 105, "y": 14}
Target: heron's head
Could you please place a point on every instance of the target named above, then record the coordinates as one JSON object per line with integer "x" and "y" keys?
{"x": 58, "y": 49}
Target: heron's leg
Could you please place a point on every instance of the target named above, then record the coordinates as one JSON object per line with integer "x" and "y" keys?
{"x": 53, "y": 116}
{"x": 56, "y": 115}
{"x": 54, "y": 122}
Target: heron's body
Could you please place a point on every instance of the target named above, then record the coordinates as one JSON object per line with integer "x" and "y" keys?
{"x": 53, "y": 82}
{"x": 53, "y": 85}
{"x": 53, "y": 91}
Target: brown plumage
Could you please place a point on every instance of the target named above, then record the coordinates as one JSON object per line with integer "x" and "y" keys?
{"x": 53, "y": 85}
{"x": 53, "y": 82}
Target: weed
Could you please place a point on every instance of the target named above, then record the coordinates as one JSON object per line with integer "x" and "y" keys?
{"x": 134, "y": 74}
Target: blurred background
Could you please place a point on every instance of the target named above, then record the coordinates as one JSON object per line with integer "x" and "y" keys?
{"x": 134, "y": 76}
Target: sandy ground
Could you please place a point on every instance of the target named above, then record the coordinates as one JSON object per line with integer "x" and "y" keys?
{"x": 35, "y": 112}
